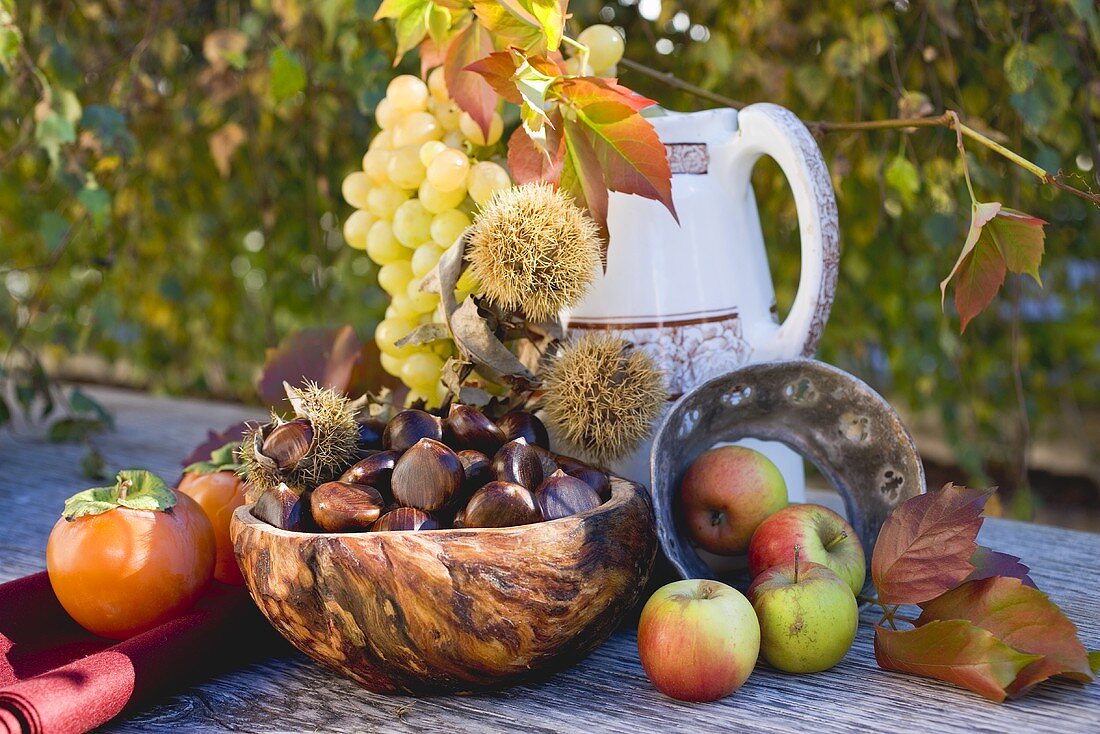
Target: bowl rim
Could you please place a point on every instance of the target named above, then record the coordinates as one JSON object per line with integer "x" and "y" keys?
{"x": 622, "y": 490}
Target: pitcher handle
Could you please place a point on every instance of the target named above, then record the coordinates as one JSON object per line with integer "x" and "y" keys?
{"x": 768, "y": 129}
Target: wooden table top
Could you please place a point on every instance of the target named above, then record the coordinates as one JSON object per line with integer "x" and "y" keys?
{"x": 606, "y": 692}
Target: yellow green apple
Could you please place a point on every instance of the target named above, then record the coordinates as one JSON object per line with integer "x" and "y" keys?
{"x": 698, "y": 639}
{"x": 823, "y": 536}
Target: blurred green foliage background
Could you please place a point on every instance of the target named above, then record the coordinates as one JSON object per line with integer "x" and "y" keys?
{"x": 170, "y": 208}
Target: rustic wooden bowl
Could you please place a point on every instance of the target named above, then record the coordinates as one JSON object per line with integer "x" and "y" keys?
{"x": 452, "y": 610}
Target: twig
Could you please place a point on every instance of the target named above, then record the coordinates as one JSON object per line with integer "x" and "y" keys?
{"x": 676, "y": 83}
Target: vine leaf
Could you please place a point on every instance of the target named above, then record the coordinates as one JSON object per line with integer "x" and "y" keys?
{"x": 531, "y": 25}
{"x": 410, "y": 19}
{"x": 331, "y": 357}
{"x": 215, "y": 440}
{"x": 1000, "y": 240}
{"x": 925, "y": 545}
{"x": 467, "y": 88}
{"x": 1094, "y": 661}
{"x": 1022, "y": 617}
{"x": 528, "y": 161}
{"x": 988, "y": 563}
{"x": 955, "y": 651}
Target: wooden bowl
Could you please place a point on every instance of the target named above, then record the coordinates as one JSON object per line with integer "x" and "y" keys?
{"x": 452, "y": 610}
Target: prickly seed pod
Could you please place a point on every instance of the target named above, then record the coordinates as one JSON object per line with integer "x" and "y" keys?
{"x": 533, "y": 250}
{"x": 602, "y": 396}
{"x": 312, "y": 448}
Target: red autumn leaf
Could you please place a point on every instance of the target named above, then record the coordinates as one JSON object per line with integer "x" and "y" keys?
{"x": 497, "y": 69}
{"x": 215, "y": 440}
{"x": 467, "y": 88}
{"x": 431, "y": 56}
{"x": 925, "y": 545}
{"x": 1022, "y": 617}
{"x": 988, "y": 563}
{"x": 528, "y": 162}
{"x": 333, "y": 358}
{"x": 1000, "y": 240}
{"x": 582, "y": 178}
{"x": 955, "y": 651}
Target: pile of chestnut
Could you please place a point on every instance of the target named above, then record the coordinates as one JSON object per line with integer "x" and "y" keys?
{"x": 422, "y": 472}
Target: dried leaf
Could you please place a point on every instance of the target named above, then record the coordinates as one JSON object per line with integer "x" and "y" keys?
{"x": 334, "y": 358}
{"x": 925, "y": 545}
{"x": 476, "y": 342}
{"x": 224, "y": 143}
{"x": 424, "y": 334}
{"x": 469, "y": 89}
{"x": 955, "y": 651}
{"x": 988, "y": 563}
{"x": 1020, "y": 616}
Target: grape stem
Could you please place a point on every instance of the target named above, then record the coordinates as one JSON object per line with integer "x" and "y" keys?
{"x": 949, "y": 120}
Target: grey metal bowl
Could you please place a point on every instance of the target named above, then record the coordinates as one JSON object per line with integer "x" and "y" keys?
{"x": 832, "y": 418}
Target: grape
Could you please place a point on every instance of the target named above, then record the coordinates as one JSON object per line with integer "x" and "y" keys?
{"x": 486, "y": 178}
{"x": 374, "y": 164}
{"x": 421, "y": 371}
{"x": 424, "y": 258}
{"x": 389, "y": 331}
{"x": 416, "y": 129}
{"x": 605, "y": 45}
{"x": 391, "y": 364}
{"x": 455, "y": 139}
{"x": 403, "y": 307}
{"x": 406, "y": 93}
{"x": 447, "y": 226}
{"x": 386, "y": 115}
{"x": 429, "y": 150}
{"x": 382, "y": 247}
{"x": 381, "y": 141}
{"x": 420, "y": 301}
{"x": 437, "y": 201}
{"x": 448, "y": 114}
{"x": 448, "y": 170}
{"x": 610, "y": 72}
{"x": 356, "y": 227}
{"x": 404, "y": 167}
{"x": 394, "y": 277}
{"x": 356, "y": 187}
{"x": 573, "y": 67}
{"x": 382, "y": 201}
{"x": 437, "y": 85}
{"x": 412, "y": 223}
{"x": 473, "y": 131}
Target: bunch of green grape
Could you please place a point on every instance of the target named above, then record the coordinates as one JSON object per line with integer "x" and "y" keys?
{"x": 420, "y": 184}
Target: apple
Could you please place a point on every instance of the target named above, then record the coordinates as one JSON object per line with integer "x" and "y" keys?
{"x": 823, "y": 536}
{"x": 698, "y": 639}
{"x": 808, "y": 616}
{"x": 726, "y": 493}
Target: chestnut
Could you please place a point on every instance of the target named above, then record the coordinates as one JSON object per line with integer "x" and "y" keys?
{"x": 282, "y": 507}
{"x": 588, "y": 474}
{"x": 427, "y": 476}
{"x": 469, "y": 428}
{"x": 518, "y": 462}
{"x": 477, "y": 468}
{"x": 370, "y": 435}
{"x": 408, "y": 427}
{"x": 373, "y": 471}
{"x": 525, "y": 425}
{"x": 340, "y": 507}
{"x": 405, "y": 518}
{"x": 561, "y": 495}
{"x": 499, "y": 505}
{"x": 288, "y": 443}
{"x": 459, "y": 520}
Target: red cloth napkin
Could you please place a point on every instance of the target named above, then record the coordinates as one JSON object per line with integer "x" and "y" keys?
{"x": 57, "y": 678}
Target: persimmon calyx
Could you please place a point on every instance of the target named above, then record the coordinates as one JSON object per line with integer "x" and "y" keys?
{"x": 222, "y": 459}
{"x": 137, "y": 489}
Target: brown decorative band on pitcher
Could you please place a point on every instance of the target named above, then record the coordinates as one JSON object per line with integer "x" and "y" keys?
{"x": 690, "y": 158}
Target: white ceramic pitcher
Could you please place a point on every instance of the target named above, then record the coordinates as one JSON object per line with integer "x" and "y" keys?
{"x": 698, "y": 295}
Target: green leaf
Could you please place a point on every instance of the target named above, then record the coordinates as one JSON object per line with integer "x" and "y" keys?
{"x": 410, "y": 22}
{"x": 10, "y": 38}
{"x": 97, "y": 202}
{"x": 82, "y": 403}
{"x": 1094, "y": 661}
{"x": 52, "y": 228}
{"x": 1020, "y": 67}
{"x": 221, "y": 459}
{"x": 108, "y": 125}
{"x": 136, "y": 489}
{"x": 288, "y": 77}
{"x": 51, "y": 133}
{"x": 93, "y": 466}
{"x": 903, "y": 177}
{"x": 73, "y": 430}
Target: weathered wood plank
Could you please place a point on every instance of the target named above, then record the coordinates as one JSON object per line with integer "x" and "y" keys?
{"x": 606, "y": 692}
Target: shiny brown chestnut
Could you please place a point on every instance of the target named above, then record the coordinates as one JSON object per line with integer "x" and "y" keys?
{"x": 522, "y": 424}
{"x": 282, "y": 507}
{"x": 408, "y": 427}
{"x": 288, "y": 443}
{"x": 467, "y": 427}
{"x": 520, "y": 463}
{"x": 427, "y": 476}
{"x": 405, "y": 518}
{"x": 477, "y": 467}
{"x": 373, "y": 471}
{"x": 590, "y": 475}
{"x": 370, "y": 434}
{"x": 561, "y": 495}
{"x": 500, "y": 505}
{"x": 340, "y": 507}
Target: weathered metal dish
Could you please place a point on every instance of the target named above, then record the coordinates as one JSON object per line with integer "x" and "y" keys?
{"x": 833, "y": 419}
{"x": 452, "y": 610}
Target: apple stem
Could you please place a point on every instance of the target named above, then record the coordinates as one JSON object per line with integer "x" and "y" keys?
{"x": 843, "y": 534}
{"x": 797, "y": 553}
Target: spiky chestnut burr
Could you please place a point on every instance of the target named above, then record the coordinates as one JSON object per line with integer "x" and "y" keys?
{"x": 314, "y": 447}
{"x": 602, "y": 395}
{"x": 533, "y": 250}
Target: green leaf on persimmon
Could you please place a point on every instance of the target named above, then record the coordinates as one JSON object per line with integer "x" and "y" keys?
{"x": 1020, "y": 616}
{"x": 136, "y": 489}
{"x": 925, "y": 545}
{"x": 1000, "y": 240}
{"x": 954, "y": 651}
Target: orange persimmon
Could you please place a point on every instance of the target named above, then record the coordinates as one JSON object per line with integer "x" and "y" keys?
{"x": 219, "y": 493}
